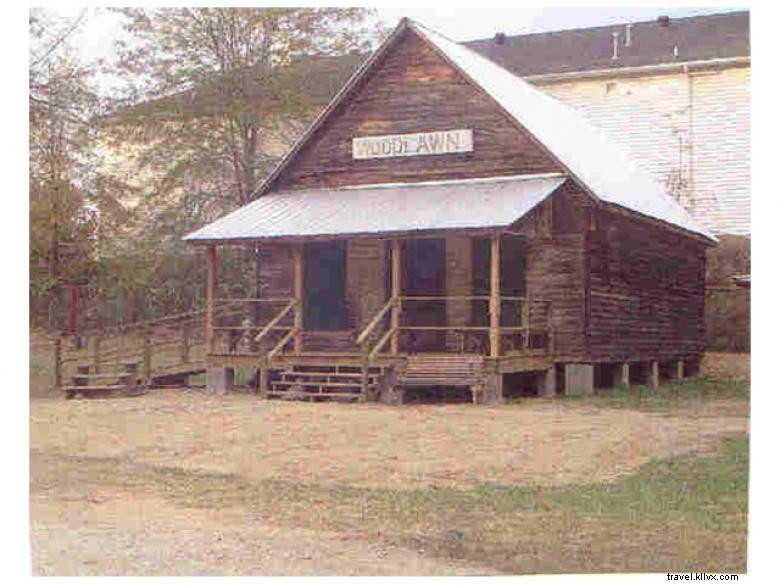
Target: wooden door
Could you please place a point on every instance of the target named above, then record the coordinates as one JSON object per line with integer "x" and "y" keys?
{"x": 424, "y": 274}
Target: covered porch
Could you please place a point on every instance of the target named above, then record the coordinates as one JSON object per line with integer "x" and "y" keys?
{"x": 437, "y": 294}
{"x": 417, "y": 315}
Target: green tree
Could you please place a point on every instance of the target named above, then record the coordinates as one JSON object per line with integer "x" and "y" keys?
{"x": 62, "y": 222}
{"x": 216, "y": 91}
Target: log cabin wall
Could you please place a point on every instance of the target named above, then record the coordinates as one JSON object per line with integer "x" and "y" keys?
{"x": 554, "y": 232}
{"x": 413, "y": 90}
{"x": 275, "y": 277}
{"x": 646, "y": 291}
{"x": 554, "y": 273}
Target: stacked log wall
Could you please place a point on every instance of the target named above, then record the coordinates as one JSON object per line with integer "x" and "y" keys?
{"x": 555, "y": 261}
{"x": 646, "y": 291}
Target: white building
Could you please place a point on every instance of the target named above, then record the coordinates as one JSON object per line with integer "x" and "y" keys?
{"x": 676, "y": 92}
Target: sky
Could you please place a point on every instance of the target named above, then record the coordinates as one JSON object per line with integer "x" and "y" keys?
{"x": 101, "y": 27}
{"x": 465, "y": 24}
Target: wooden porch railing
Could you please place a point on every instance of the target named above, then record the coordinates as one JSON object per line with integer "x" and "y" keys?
{"x": 261, "y": 339}
{"x": 239, "y": 324}
{"x": 533, "y": 316}
{"x": 276, "y": 320}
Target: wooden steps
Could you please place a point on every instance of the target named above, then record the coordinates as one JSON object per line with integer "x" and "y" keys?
{"x": 73, "y": 391}
{"x": 313, "y": 396}
{"x": 88, "y": 383}
{"x": 322, "y": 382}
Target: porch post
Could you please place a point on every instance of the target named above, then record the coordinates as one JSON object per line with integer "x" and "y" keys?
{"x": 211, "y": 285}
{"x": 495, "y": 296}
{"x": 395, "y": 279}
{"x": 298, "y": 295}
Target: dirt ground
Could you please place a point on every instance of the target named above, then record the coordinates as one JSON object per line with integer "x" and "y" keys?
{"x": 83, "y": 522}
{"x": 109, "y": 532}
{"x": 536, "y": 442}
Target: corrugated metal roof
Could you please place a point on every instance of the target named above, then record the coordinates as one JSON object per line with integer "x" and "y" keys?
{"x": 391, "y": 208}
{"x": 604, "y": 168}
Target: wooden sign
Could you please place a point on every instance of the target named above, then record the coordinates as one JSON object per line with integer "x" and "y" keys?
{"x": 418, "y": 144}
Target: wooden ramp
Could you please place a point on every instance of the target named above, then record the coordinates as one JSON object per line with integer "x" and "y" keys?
{"x": 144, "y": 354}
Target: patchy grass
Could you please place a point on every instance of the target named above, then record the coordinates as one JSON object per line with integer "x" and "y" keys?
{"x": 677, "y": 514}
{"x": 670, "y": 397}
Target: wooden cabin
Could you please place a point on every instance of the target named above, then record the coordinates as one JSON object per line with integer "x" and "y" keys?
{"x": 443, "y": 226}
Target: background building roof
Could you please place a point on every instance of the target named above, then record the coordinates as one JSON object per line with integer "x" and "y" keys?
{"x": 712, "y": 36}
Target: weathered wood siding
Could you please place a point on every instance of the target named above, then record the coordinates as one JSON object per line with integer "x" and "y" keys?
{"x": 646, "y": 291}
{"x": 413, "y": 90}
{"x": 458, "y": 281}
{"x": 366, "y": 286}
{"x": 555, "y": 274}
{"x": 275, "y": 278}
{"x": 555, "y": 266}
{"x": 622, "y": 288}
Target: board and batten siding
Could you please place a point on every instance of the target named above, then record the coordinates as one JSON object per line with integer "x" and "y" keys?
{"x": 694, "y": 127}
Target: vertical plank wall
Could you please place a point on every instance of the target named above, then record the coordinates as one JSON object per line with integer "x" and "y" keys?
{"x": 413, "y": 90}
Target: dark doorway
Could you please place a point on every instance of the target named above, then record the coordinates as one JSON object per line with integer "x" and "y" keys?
{"x": 424, "y": 274}
{"x": 324, "y": 286}
{"x": 512, "y": 279}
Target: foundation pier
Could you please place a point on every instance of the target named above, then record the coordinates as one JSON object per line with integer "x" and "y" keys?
{"x": 219, "y": 380}
{"x": 493, "y": 389}
{"x": 546, "y": 384}
{"x": 652, "y": 375}
{"x": 621, "y": 376}
{"x": 679, "y": 374}
{"x": 578, "y": 379}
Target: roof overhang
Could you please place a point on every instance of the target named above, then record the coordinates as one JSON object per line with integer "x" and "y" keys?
{"x": 410, "y": 209}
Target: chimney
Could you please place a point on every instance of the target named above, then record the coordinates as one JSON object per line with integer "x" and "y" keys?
{"x": 628, "y": 35}
{"x": 615, "y": 36}
{"x": 663, "y": 20}
{"x": 500, "y": 38}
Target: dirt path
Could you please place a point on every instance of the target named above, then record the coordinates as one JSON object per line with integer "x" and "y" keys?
{"x": 106, "y": 532}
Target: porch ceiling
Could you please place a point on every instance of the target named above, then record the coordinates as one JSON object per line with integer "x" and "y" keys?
{"x": 384, "y": 209}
